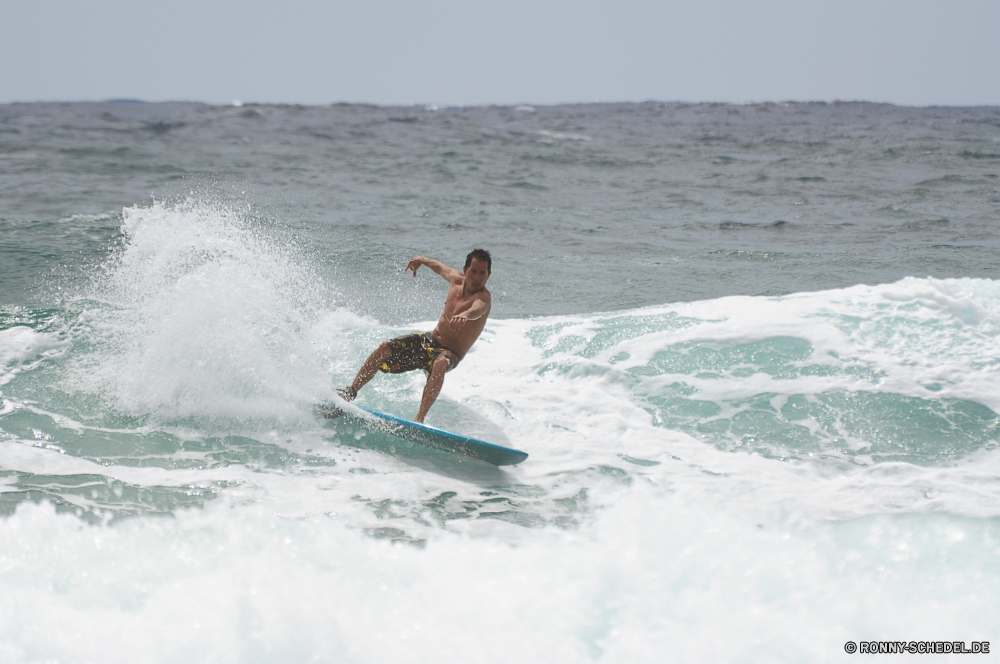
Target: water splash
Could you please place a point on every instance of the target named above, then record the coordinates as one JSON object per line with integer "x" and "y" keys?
{"x": 203, "y": 312}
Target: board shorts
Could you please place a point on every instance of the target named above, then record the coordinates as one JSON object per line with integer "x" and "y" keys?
{"x": 417, "y": 351}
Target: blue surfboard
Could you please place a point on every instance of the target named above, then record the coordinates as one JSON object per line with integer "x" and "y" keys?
{"x": 416, "y": 432}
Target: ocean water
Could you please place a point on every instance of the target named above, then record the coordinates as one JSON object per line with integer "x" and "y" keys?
{"x": 753, "y": 352}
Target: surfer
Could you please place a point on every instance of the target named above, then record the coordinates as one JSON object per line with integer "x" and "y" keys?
{"x": 437, "y": 352}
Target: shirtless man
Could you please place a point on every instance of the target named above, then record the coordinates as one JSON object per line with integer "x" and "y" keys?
{"x": 465, "y": 311}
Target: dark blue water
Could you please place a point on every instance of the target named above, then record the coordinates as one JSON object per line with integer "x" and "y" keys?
{"x": 592, "y": 207}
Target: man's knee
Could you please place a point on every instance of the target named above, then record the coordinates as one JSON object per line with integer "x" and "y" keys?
{"x": 378, "y": 357}
{"x": 440, "y": 366}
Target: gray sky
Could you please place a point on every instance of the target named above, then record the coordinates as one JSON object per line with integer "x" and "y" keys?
{"x": 462, "y": 52}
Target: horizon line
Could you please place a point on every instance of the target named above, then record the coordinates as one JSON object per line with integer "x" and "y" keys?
{"x": 434, "y": 106}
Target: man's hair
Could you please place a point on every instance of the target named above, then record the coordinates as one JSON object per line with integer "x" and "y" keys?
{"x": 480, "y": 254}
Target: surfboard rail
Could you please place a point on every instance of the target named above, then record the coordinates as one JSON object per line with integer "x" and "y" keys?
{"x": 424, "y": 434}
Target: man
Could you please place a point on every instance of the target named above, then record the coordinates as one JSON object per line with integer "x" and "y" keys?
{"x": 466, "y": 309}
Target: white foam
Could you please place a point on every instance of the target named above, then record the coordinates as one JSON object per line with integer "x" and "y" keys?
{"x": 19, "y": 345}
{"x": 651, "y": 575}
{"x": 563, "y": 136}
{"x": 916, "y": 332}
{"x": 206, "y": 318}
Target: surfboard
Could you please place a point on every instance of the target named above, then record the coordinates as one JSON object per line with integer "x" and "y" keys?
{"x": 417, "y": 432}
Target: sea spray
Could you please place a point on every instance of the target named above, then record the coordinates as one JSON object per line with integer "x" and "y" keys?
{"x": 200, "y": 314}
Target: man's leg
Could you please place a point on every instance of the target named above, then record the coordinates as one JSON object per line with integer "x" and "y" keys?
{"x": 369, "y": 369}
{"x": 433, "y": 387}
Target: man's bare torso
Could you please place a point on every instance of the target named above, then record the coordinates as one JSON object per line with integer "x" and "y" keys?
{"x": 460, "y": 338}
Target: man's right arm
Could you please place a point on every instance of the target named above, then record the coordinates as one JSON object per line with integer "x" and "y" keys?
{"x": 437, "y": 266}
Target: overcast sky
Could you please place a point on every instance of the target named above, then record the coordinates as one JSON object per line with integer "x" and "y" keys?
{"x": 464, "y": 52}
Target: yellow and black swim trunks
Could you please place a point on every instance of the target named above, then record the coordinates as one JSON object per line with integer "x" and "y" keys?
{"x": 417, "y": 351}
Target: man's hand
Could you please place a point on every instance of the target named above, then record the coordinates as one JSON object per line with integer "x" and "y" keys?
{"x": 457, "y": 321}
{"x": 415, "y": 263}
{"x": 437, "y": 267}
{"x": 475, "y": 312}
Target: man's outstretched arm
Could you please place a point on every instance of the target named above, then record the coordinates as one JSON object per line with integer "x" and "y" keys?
{"x": 479, "y": 308}
{"x": 437, "y": 266}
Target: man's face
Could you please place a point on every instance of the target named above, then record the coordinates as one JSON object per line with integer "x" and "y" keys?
{"x": 476, "y": 275}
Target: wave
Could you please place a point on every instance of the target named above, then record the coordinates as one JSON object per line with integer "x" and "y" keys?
{"x": 206, "y": 322}
{"x": 898, "y": 372}
{"x": 758, "y": 463}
